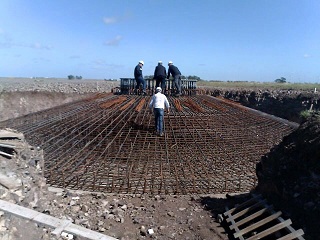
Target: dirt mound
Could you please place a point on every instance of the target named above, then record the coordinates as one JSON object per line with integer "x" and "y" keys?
{"x": 287, "y": 104}
{"x": 290, "y": 176}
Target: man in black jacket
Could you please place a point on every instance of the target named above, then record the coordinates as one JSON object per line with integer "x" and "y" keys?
{"x": 176, "y": 74}
{"x": 160, "y": 74}
{"x": 139, "y": 77}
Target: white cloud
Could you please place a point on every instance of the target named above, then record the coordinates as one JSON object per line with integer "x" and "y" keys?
{"x": 109, "y": 20}
{"x": 7, "y": 42}
{"x": 99, "y": 62}
{"x": 306, "y": 55}
{"x": 115, "y": 41}
{"x": 39, "y": 46}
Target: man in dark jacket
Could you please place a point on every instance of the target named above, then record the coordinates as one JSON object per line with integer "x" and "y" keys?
{"x": 160, "y": 74}
{"x": 176, "y": 74}
{"x": 139, "y": 77}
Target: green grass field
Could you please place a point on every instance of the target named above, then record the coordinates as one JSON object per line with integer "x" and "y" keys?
{"x": 201, "y": 83}
{"x": 259, "y": 85}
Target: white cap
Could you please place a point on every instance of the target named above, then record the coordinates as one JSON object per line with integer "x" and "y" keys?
{"x": 158, "y": 89}
{"x": 142, "y": 62}
{"x": 160, "y": 62}
{"x": 170, "y": 62}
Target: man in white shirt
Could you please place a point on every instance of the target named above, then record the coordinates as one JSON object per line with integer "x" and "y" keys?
{"x": 159, "y": 102}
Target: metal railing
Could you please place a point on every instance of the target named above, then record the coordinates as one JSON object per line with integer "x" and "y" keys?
{"x": 188, "y": 86}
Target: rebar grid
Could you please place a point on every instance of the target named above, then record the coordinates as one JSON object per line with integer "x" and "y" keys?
{"x": 106, "y": 143}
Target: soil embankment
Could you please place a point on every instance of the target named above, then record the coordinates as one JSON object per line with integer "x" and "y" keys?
{"x": 290, "y": 176}
{"x": 24, "y": 96}
{"x": 287, "y": 104}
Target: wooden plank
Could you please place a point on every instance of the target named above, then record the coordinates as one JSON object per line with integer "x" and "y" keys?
{"x": 257, "y": 224}
{"x": 289, "y": 229}
{"x": 271, "y": 230}
{"x": 233, "y": 223}
{"x": 256, "y": 205}
{"x": 292, "y": 235}
{"x": 52, "y": 222}
{"x": 6, "y": 154}
{"x": 252, "y": 216}
{"x": 7, "y": 145}
{"x": 251, "y": 200}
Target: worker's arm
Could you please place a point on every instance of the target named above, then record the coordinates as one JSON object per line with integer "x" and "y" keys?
{"x": 166, "y": 103}
{"x": 151, "y": 104}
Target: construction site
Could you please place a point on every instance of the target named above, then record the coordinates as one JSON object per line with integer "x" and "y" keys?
{"x": 105, "y": 143}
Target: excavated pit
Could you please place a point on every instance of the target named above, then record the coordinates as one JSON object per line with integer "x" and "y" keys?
{"x": 106, "y": 143}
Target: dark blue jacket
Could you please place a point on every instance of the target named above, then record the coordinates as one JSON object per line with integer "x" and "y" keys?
{"x": 160, "y": 71}
{"x": 173, "y": 70}
{"x": 138, "y": 71}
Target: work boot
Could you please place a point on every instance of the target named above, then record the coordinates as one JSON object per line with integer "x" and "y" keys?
{"x": 161, "y": 134}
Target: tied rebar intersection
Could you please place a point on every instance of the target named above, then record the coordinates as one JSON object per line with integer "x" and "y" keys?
{"x": 106, "y": 143}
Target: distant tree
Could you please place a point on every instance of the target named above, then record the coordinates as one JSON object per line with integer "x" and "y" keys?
{"x": 194, "y": 77}
{"x": 148, "y": 77}
{"x": 78, "y": 77}
{"x": 70, "y": 77}
{"x": 280, "y": 80}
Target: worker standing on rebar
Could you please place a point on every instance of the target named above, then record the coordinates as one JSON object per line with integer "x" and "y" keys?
{"x": 160, "y": 74}
{"x": 176, "y": 74}
{"x": 139, "y": 78}
{"x": 158, "y": 103}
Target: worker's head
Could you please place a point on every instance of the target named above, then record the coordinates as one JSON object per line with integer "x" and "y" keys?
{"x": 170, "y": 63}
{"x": 160, "y": 63}
{"x": 141, "y": 62}
{"x": 158, "y": 89}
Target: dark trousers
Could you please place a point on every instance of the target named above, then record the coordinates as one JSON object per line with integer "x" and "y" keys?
{"x": 139, "y": 81}
{"x": 177, "y": 83}
{"x": 158, "y": 119}
{"x": 161, "y": 82}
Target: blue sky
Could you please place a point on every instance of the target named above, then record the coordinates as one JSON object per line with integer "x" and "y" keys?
{"x": 241, "y": 40}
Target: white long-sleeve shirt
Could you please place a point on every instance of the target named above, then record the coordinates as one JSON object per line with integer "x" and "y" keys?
{"x": 159, "y": 100}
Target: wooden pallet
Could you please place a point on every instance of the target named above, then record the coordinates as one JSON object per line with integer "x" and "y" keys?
{"x": 256, "y": 219}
